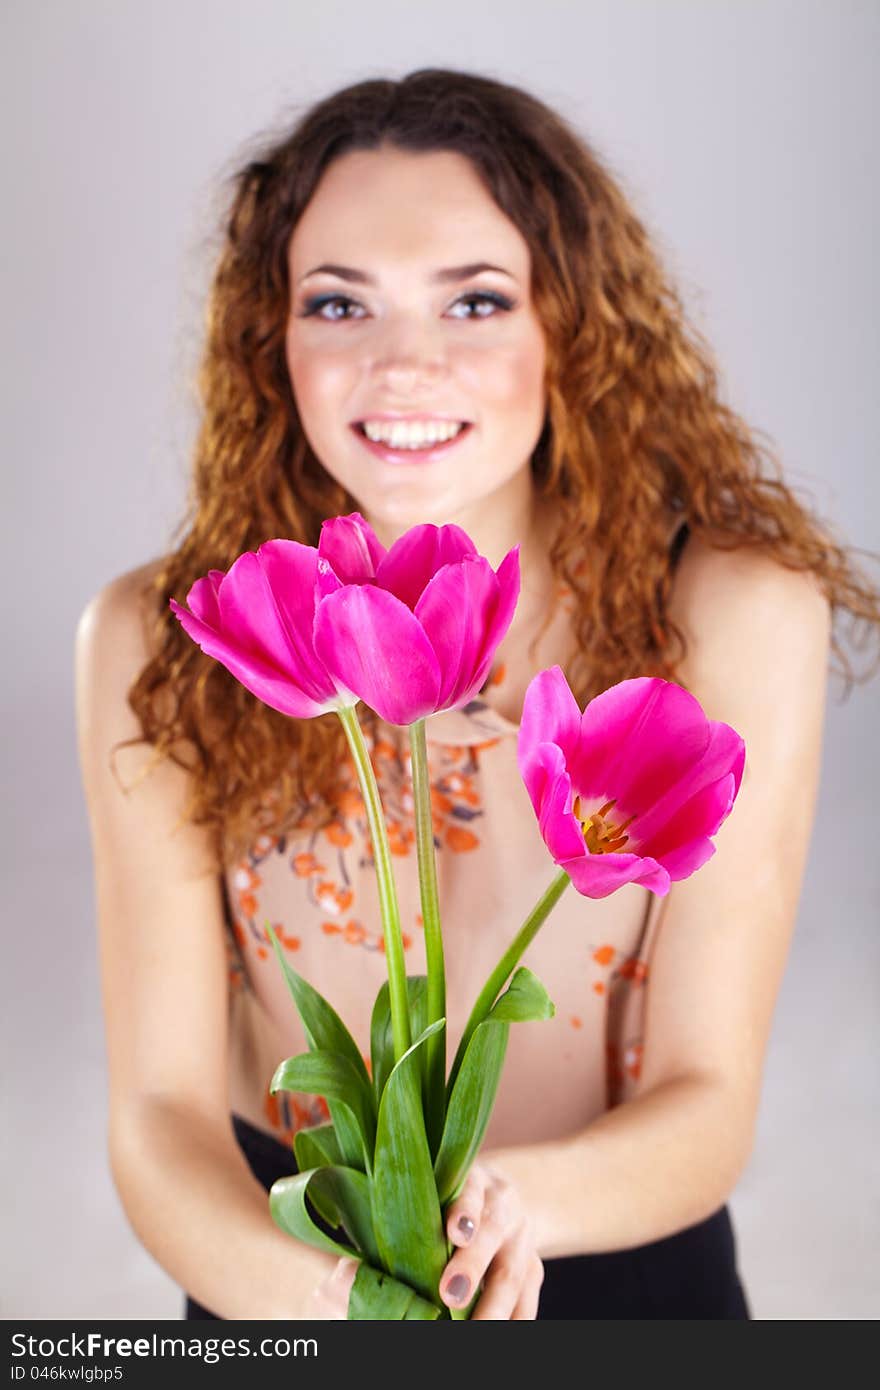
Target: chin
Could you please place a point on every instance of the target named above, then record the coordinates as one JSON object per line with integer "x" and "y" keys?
{"x": 406, "y": 514}
{"x": 401, "y": 506}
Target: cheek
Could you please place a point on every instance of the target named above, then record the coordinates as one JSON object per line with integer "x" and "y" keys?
{"x": 527, "y": 377}
{"x": 316, "y": 378}
{"x": 512, "y": 376}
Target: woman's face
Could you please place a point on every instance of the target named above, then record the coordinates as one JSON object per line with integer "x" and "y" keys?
{"x": 395, "y": 331}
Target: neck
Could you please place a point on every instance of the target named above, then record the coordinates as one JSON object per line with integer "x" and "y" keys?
{"x": 512, "y": 515}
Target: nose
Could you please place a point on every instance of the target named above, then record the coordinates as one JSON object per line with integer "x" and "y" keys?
{"x": 409, "y": 358}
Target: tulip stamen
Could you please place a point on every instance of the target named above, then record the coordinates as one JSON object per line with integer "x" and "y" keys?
{"x": 601, "y": 836}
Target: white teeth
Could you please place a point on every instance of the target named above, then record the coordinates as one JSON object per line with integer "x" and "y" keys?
{"x": 418, "y": 434}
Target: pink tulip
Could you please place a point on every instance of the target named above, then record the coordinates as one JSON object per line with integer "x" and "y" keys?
{"x": 412, "y": 630}
{"x": 631, "y": 790}
{"x": 257, "y": 621}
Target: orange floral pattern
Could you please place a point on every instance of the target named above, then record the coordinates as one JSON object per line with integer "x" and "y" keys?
{"x": 287, "y": 1112}
{"x": 326, "y": 862}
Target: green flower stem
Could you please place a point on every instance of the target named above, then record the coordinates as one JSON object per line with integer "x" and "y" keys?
{"x": 435, "y": 1047}
{"x": 505, "y": 967}
{"x": 397, "y": 991}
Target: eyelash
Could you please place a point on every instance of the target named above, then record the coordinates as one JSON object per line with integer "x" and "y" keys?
{"x": 312, "y": 306}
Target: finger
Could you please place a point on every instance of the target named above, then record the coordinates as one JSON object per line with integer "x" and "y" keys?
{"x": 529, "y": 1300}
{"x": 333, "y": 1292}
{"x": 470, "y": 1263}
{"x": 464, "y": 1214}
{"x": 503, "y": 1285}
{"x": 505, "y": 1277}
{"x": 344, "y": 1273}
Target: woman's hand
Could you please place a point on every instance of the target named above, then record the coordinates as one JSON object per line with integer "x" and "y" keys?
{"x": 493, "y": 1230}
{"x": 328, "y": 1301}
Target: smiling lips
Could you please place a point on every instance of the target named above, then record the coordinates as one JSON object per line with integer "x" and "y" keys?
{"x": 426, "y": 437}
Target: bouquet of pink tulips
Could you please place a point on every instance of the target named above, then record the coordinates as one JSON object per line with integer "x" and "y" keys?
{"x": 628, "y": 791}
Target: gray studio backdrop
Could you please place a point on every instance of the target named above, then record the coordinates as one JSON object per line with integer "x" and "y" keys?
{"x": 744, "y": 134}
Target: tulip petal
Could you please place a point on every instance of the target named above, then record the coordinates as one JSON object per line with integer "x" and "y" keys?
{"x": 599, "y": 875}
{"x": 352, "y": 548}
{"x": 267, "y": 606}
{"x": 371, "y": 642}
{"x": 553, "y": 798}
{"x": 723, "y": 756}
{"x": 327, "y": 581}
{"x": 508, "y": 580}
{"x": 273, "y": 687}
{"x": 407, "y": 568}
{"x": 638, "y": 738}
{"x": 701, "y": 815}
{"x": 202, "y": 598}
{"x": 455, "y": 612}
{"x": 550, "y": 714}
{"x": 681, "y": 863}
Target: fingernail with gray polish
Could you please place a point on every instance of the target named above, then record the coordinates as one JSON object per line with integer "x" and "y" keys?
{"x": 458, "y": 1287}
{"x": 466, "y": 1226}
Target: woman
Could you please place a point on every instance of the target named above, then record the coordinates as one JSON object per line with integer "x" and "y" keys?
{"x": 434, "y": 305}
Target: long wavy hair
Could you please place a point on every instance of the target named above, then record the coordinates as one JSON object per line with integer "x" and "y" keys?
{"x": 636, "y": 438}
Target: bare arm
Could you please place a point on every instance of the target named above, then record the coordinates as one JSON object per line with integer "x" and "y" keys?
{"x": 182, "y": 1179}
{"x": 641, "y": 1171}
{"x": 196, "y": 1206}
{"x": 758, "y": 638}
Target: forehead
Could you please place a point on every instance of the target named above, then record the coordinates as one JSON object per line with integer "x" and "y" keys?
{"x": 391, "y": 209}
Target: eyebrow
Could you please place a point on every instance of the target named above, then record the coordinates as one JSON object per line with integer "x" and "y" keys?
{"x": 440, "y": 277}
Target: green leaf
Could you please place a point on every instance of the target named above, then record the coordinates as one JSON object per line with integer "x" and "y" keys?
{"x": 316, "y": 1147}
{"x": 324, "y": 1029}
{"x": 333, "y": 1076}
{"x": 470, "y": 1105}
{"x": 352, "y": 1194}
{"x": 406, "y": 1209}
{"x": 381, "y": 1036}
{"x": 325, "y": 1032}
{"x": 381, "y": 1049}
{"x": 351, "y": 1140}
{"x": 340, "y": 1190}
{"x": 524, "y": 1000}
{"x": 376, "y": 1296}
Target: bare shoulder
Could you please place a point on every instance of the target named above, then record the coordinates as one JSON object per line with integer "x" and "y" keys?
{"x": 738, "y": 607}
{"x": 113, "y": 646}
{"x": 117, "y": 605}
{"x": 709, "y": 574}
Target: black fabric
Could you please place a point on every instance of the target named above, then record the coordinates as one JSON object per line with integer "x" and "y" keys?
{"x": 692, "y": 1274}
{"x": 678, "y": 544}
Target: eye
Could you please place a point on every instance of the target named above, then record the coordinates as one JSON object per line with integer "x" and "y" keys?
{"x": 339, "y": 308}
{"x": 314, "y": 307}
{"x": 485, "y": 301}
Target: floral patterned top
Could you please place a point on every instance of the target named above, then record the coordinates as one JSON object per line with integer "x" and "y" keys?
{"x": 320, "y": 894}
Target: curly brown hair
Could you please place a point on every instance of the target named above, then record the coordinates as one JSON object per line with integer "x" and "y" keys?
{"x": 636, "y": 437}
